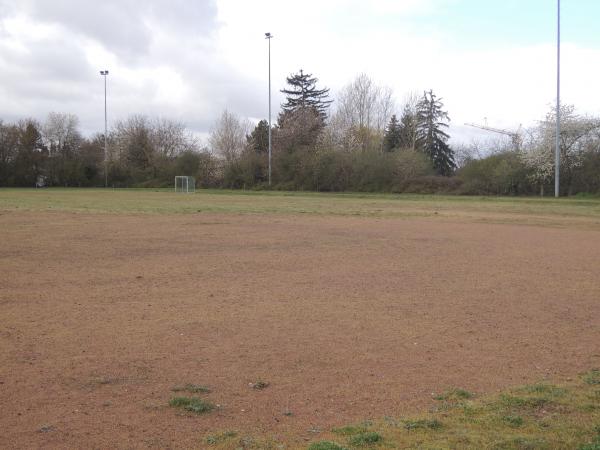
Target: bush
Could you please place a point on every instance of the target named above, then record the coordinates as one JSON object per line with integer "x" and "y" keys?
{"x": 500, "y": 174}
{"x": 433, "y": 185}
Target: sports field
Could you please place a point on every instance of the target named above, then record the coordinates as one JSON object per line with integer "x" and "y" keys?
{"x": 294, "y": 314}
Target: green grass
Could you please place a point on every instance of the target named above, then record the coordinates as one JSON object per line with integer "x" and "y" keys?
{"x": 592, "y": 377}
{"x": 215, "y": 439}
{"x": 350, "y": 430}
{"x": 537, "y": 416}
{"x": 531, "y": 210}
{"x": 325, "y": 445}
{"x": 431, "y": 424}
{"x": 192, "y": 388}
{"x": 365, "y": 439}
{"x": 455, "y": 395}
{"x": 192, "y": 404}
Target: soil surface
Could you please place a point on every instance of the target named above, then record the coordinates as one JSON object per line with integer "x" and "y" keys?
{"x": 346, "y": 318}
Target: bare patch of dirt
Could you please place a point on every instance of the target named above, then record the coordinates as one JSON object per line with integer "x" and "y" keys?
{"x": 346, "y": 318}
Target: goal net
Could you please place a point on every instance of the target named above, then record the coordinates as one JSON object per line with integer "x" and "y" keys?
{"x": 185, "y": 184}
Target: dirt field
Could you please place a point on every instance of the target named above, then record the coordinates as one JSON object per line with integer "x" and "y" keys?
{"x": 347, "y": 318}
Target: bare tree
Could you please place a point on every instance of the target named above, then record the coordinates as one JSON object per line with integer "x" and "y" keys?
{"x": 60, "y": 133}
{"x": 132, "y": 142}
{"x": 363, "y": 109}
{"x": 170, "y": 138}
{"x": 228, "y": 136}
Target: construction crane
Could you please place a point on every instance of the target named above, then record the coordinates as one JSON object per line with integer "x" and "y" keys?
{"x": 515, "y": 136}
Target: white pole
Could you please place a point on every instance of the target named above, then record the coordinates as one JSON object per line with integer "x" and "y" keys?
{"x": 557, "y": 151}
{"x": 269, "y": 36}
{"x": 105, "y": 134}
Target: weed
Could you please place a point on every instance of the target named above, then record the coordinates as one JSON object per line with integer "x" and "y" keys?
{"x": 422, "y": 424}
{"x": 454, "y": 395}
{"x": 513, "y": 421}
{"x": 367, "y": 438}
{"x": 592, "y": 377}
{"x": 512, "y": 401}
{"x": 350, "y": 430}
{"x": 544, "y": 389}
{"x": 521, "y": 443}
{"x": 591, "y": 446}
{"x": 325, "y": 445}
{"x": 192, "y": 388}
{"x": 260, "y": 385}
{"x": 192, "y": 404}
{"x": 217, "y": 438}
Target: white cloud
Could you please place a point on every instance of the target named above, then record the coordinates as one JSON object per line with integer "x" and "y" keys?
{"x": 188, "y": 60}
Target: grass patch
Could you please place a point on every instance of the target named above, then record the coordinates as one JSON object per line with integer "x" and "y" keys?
{"x": 423, "y": 424}
{"x": 548, "y": 390}
{"x": 350, "y": 430}
{"x": 526, "y": 403}
{"x": 592, "y": 377}
{"x": 532, "y": 210}
{"x": 192, "y": 404}
{"x": 215, "y": 439}
{"x": 455, "y": 395}
{"x": 325, "y": 445}
{"x": 513, "y": 421}
{"x": 192, "y": 388}
{"x": 366, "y": 439}
{"x": 521, "y": 443}
{"x": 538, "y": 416}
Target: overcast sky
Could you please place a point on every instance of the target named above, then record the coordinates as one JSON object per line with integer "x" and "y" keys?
{"x": 189, "y": 59}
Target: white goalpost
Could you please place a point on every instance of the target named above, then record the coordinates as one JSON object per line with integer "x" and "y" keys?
{"x": 185, "y": 184}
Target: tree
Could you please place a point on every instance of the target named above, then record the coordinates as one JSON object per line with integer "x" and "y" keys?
{"x": 392, "y": 137}
{"x": 431, "y": 139}
{"x": 577, "y": 133}
{"x": 9, "y": 149}
{"x": 62, "y": 139}
{"x": 303, "y": 93}
{"x": 134, "y": 143}
{"x": 259, "y": 138}
{"x": 228, "y": 137}
{"x": 30, "y": 161}
{"x": 170, "y": 138}
{"x": 364, "y": 109}
{"x": 408, "y": 122}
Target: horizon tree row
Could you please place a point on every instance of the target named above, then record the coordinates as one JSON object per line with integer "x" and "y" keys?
{"x": 357, "y": 143}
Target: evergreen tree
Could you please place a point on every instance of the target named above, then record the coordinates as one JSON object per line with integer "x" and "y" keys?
{"x": 303, "y": 93}
{"x": 408, "y": 129}
{"x": 392, "y": 137}
{"x": 431, "y": 139}
{"x": 259, "y": 138}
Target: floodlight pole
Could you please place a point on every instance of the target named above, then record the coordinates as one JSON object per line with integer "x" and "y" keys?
{"x": 557, "y": 151}
{"x": 104, "y": 73}
{"x": 269, "y": 36}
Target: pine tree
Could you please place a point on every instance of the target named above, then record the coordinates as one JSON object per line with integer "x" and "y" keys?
{"x": 431, "y": 139}
{"x": 392, "y": 137}
{"x": 303, "y": 93}
{"x": 408, "y": 128}
{"x": 259, "y": 138}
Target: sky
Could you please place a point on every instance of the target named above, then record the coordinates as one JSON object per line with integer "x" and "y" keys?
{"x": 188, "y": 60}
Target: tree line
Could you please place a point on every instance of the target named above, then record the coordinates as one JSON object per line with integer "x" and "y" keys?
{"x": 358, "y": 143}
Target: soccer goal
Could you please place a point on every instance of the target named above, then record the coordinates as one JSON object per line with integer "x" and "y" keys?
{"x": 185, "y": 184}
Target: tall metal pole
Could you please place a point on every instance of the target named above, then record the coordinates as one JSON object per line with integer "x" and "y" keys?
{"x": 104, "y": 73}
{"x": 557, "y": 151}
{"x": 269, "y": 36}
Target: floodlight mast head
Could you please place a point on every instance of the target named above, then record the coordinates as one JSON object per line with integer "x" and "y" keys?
{"x": 104, "y": 72}
{"x": 268, "y": 35}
